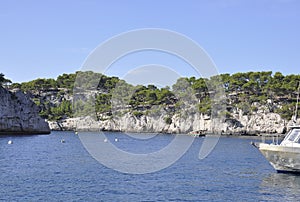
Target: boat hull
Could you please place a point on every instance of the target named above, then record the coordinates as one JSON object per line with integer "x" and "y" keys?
{"x": 282, "y": 158}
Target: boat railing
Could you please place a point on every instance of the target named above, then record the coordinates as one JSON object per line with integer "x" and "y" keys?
{"x": 273, "y": 137}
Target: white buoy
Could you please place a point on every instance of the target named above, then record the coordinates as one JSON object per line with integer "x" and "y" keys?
{"x": 76, "y": 133}
{"x": 116, "y": 140}
{"x": 62, "y": 141}
{"x": 105, "y": 140}
{"x": 10, "y": 142}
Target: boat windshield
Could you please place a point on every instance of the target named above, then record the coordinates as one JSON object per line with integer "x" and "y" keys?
{"x": 293, "y": 136}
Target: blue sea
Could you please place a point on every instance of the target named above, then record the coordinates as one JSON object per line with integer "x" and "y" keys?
{"x": 42, "y": 168}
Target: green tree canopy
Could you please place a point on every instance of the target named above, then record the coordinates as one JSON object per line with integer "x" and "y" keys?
{"x": 3, "y": 80}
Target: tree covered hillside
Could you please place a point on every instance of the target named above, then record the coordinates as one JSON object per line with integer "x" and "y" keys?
{"x": 105, "y": 96}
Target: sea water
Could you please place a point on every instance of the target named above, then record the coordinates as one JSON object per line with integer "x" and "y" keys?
{"x": 42, "y": 167}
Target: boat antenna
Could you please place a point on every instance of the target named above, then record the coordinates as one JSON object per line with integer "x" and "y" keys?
{"x": 296, "y": 111}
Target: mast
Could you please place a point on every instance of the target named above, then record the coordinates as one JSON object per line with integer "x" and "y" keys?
{"x": 296, "y": 111}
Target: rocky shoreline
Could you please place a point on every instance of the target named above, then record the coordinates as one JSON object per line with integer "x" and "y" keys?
{"x": 19, "y": 114}
{"x": 118, "y": 106}
{"x": 270, "y": 123}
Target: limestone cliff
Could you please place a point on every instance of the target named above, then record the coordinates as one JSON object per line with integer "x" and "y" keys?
{"x": 19, "y": 114}
{"x": 238, "y": 125}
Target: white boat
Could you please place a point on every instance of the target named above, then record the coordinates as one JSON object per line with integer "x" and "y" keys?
{"x": 284, "y": 157}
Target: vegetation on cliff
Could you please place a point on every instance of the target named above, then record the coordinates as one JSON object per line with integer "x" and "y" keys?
{"x": 102, "y": 95}
{"x": 3, "y": 80}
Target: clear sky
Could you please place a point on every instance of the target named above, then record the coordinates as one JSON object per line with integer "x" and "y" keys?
{"x": 43, "y": 39}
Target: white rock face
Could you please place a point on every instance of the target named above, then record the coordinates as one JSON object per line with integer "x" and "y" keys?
{"x": 18, "y": 114}
{"x": 240, "y": 124}
{"x": 130, "y": 123}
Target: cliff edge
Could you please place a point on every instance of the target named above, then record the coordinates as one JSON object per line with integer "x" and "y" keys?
{"x": 19, "y": 114}
{"x": 241, "y": 125}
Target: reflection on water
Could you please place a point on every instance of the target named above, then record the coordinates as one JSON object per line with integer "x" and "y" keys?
{"x": 279, "y": 185}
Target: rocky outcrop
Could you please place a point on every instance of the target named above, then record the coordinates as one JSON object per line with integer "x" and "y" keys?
{"x": 19, "y": 114}
{"x": 256, "y": 123}
{"x": 128, "y": 123}
{"x": 194, "y": 123}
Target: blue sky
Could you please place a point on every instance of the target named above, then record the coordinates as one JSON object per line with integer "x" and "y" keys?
{"x": 43, "y": 39}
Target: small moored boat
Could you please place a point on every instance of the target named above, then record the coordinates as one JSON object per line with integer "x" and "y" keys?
{"x": 284, "y": 157}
